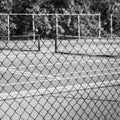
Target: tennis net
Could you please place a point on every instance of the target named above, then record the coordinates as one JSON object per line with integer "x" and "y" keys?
{"x": 88, "y": 45}
{"x": 20, "y": 43}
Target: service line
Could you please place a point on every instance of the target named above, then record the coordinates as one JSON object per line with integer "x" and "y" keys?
{"x": 48, "y": 78}
{"x": 67, "y": 62}
{"x": 57, "y": 90}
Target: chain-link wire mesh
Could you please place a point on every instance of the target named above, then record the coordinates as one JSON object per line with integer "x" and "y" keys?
{"x": 87, "y": 38}
{"x": 21, "y": 43}
{"x": 89, "y": 25}
{"x": 3, "y": 26}
{"x": 49, "y": 85}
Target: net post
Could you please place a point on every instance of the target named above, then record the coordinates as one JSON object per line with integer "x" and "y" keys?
{"x": 99, "y": 25}
{"x": 111, "y": 24}
{"x": 56, "y": 38}
{"x": 79, "y": 26}
{"x": 8, "y": 27}
{"x": 38, "y": 42}
{"x": 33, "y": 23}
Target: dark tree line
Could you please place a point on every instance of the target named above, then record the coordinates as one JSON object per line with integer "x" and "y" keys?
{"x": 22, "y": 25}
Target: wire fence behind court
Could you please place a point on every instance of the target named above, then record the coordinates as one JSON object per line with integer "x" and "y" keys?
{"x": 48, "y": 85}
{"x": 82, "y": 25}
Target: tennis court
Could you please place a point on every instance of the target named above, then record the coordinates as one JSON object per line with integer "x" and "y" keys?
{"x": 48, "y": 85}
{"x": 89, "y": 46}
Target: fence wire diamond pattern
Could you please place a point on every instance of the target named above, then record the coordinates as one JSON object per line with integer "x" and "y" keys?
{"x": 45, "y": 79}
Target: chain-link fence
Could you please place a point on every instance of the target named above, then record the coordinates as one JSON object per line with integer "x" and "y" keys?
{"x": 38, "y": 81}
{"x": 82, "y": 34}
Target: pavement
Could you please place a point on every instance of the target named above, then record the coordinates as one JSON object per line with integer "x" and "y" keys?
{"x": 53, "y": 84}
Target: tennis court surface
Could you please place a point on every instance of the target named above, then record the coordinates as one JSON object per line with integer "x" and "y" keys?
{"x": 60, "y": 79}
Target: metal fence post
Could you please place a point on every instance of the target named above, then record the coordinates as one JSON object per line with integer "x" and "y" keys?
{"x": 56, "y": 38}
{"x": 33, "y": 22}
{"x": 8, "y": 27}
{"x": 111, "y": 24}
{"x": 79, "y": 26}
{"x": 99, "y": 25}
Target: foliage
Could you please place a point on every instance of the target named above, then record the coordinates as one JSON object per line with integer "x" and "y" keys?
{"x": 5, "y": 7}
{"x": 22, "y": 25}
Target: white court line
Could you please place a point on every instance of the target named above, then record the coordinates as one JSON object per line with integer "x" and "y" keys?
{"x": 24, "y": 73}
{"x": 17, "y": 55}
{"x": 13, "y": 70}
{"x": 3, "y": 69}
{"x": 67, "y": 62}
{"x": 54, "y": 78}
{"x": 54, "y": 90}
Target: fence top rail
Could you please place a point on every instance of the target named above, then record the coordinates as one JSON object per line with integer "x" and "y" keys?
{"x": 36, "y": 35}
{"x": 46, "y": 14}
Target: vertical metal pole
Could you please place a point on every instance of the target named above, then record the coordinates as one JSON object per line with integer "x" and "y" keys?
{"x": 111, "y": 24}
{"x": 56, "y": 39}
{"x": 8, "y": 27}
{"x": 38, "y": 43}
{"x": 33, "y": 22}
{"x": 99, "y": 25}
{"x": 79, "y": 26}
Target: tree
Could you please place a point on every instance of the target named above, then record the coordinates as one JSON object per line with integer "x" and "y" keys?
{"x": 106, "y": 8}
{"x": 5, "y": 6}
{"x": 23, "y": 23}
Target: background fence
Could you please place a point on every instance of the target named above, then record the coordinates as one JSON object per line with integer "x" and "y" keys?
{"x": 39, "y": 82}
{"x": 90, "y": 25}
